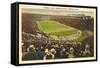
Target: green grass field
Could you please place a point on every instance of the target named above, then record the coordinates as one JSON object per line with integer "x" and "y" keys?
{"x": 55, "y": 28}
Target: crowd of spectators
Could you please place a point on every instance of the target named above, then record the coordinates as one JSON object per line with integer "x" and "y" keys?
{"x": 41, "y": 47}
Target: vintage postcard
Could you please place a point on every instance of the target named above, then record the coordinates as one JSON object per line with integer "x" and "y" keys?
{"x": 50, "y": 33}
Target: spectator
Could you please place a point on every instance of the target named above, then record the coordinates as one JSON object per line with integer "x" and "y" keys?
{"x": 63, "y": 53}
{"x": 87, "y": 51}
{"x": 71, "y": 53}
{"x": 31, "y": 54}
{"x": 48, "y": 55}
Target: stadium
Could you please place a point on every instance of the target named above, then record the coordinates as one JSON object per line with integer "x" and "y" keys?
{"x": 57, "y": 35}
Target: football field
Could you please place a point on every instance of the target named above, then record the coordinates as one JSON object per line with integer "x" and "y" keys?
{"x": 56, "y": 28}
